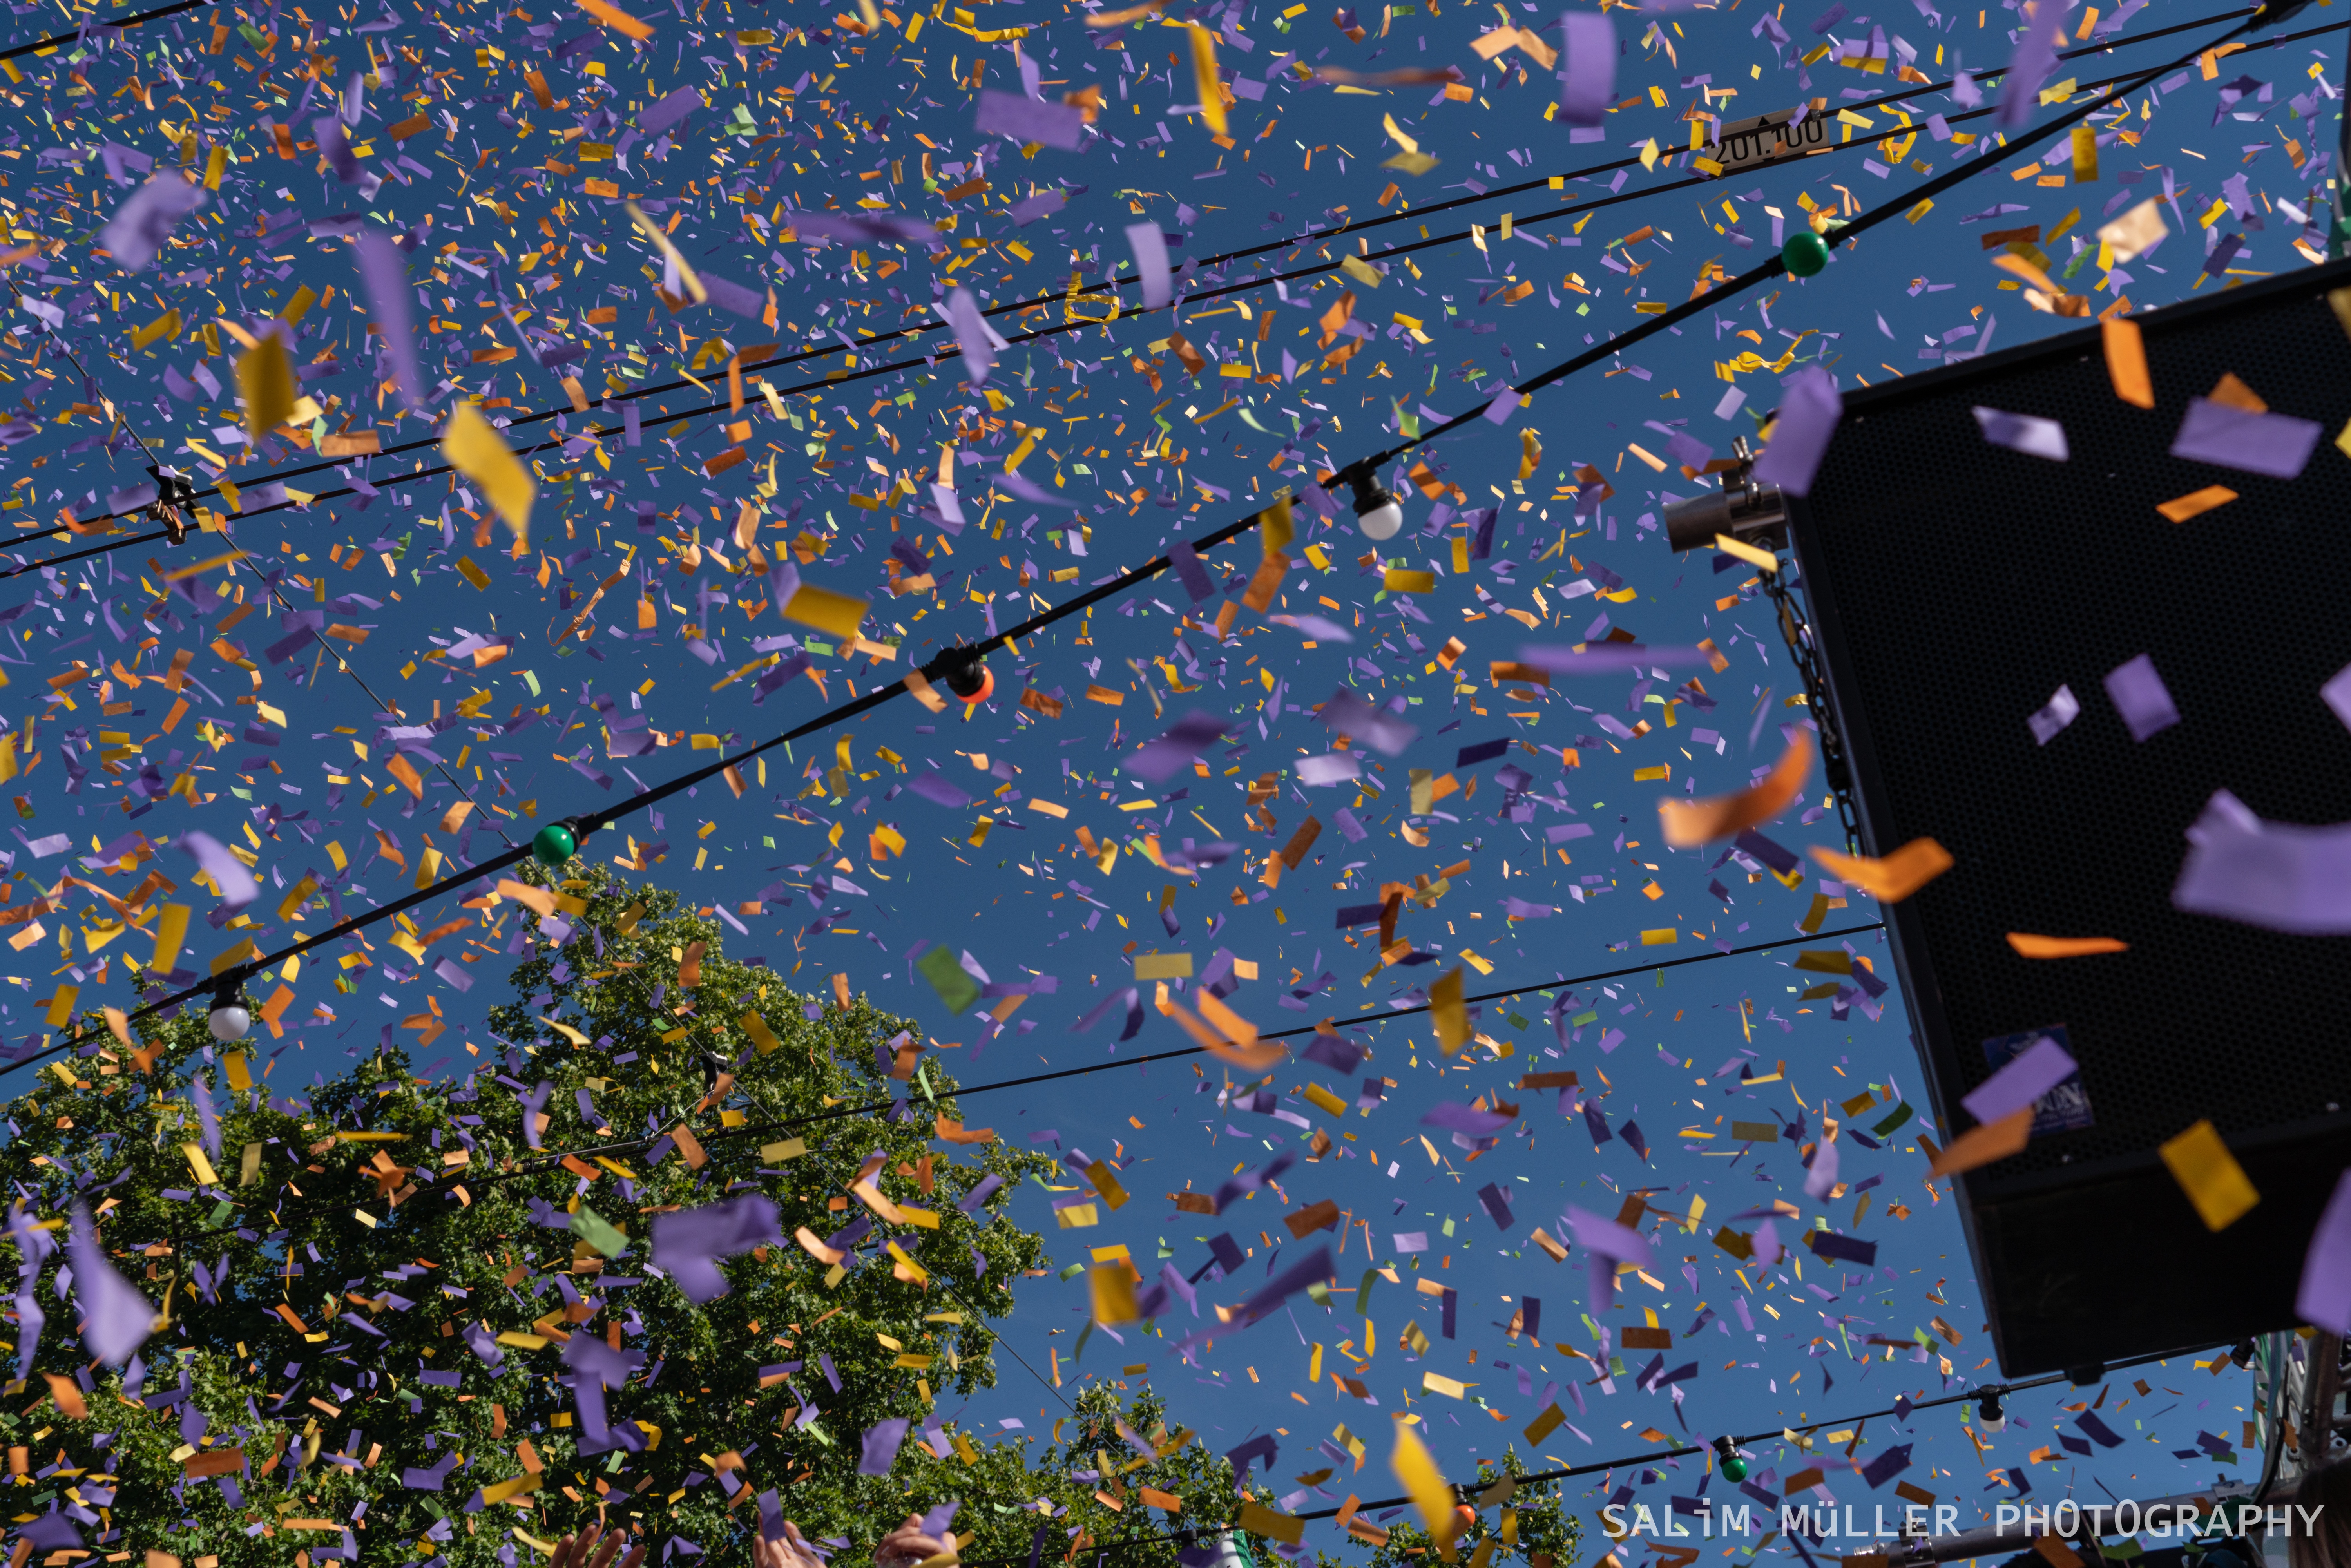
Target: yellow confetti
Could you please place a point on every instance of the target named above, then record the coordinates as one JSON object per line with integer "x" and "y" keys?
{"x": 1114, "y": 1293}
{"x": 171, "y": 931}
{"x": 167, "y": 325}
{"x": 2085, "y": 154}
{"x": 264, "y": 379}
{"x": 835, "y": 614}
{"x": 2209, "y": 1175}
{"x": 476, "y": 451}
{"x": 1427, "y": 1487}
{"x": 1204, "y": 77}
{"x": 652, "y": 231}
{"x": 1412, "y": 159}
{"x": 205, "y": 1175}
{"x": 1446, "y": 1010}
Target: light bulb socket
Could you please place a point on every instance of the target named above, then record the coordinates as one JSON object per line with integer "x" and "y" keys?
{"x": 1379, "y": 515}
{"x": 175, "y": 495}
{"x": 1369, "y": 495}
{"x": 964, "y": 672}
{"x": 554, "y": 845}
{"x": 973, "y": 683}
{"x": 229, "y": 1019}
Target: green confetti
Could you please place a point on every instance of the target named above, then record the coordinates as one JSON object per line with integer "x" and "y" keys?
{"x": 957, "y": 988}
{"x": 598, "y": 1232}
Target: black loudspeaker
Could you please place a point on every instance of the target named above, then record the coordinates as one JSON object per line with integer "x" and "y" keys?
{"x": 1952, "y": 587}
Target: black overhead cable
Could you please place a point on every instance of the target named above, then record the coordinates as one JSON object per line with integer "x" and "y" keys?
{"x": 59, "y": 40}
{"x": 963, "y": 657}
{"x": 894, "y": 367}
{"x": 2000, "y": 1389}
{"x": 955, "y": 659}
{"x": 1775, "y": 265}
{"x": 1755, "y": 275}
{"x": 546, "y": 1162}
{"x": 1565, "y": 982}
{"x": 1469, "y": 1491}
{"x": 343, "y": 665}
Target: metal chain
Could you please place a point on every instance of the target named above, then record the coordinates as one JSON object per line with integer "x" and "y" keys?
{"x": 1796, "y": 630}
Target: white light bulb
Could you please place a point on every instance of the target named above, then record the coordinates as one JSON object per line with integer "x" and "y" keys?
{"x": 230, "y": 1023}
{"x": 1382, "y": 522}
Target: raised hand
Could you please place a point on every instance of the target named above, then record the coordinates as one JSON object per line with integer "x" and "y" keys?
{"x": 791, "y": 1551}
{"x": 592, "y": 1548}
{"x": 907, "y": 1545}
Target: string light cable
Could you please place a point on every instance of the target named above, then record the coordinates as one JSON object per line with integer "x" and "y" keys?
{"x": 895, "y": 367}
{"x": 960, "y": 666}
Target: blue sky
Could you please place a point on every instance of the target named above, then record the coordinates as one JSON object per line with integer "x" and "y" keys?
{"x": 518, "y": 263}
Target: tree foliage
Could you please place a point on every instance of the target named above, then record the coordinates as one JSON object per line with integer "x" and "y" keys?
{"x": 366, "y": 1288}
{"x": 1526, "y": 1521}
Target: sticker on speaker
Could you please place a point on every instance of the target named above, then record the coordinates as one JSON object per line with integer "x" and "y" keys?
{"x": 2066, "y": 1107}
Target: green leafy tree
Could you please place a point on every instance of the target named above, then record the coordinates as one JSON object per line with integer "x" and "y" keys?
{"x": 1108, "y": 1493}
{"x": 1524, "y": 1521}
{"x": 370, "y": 1293}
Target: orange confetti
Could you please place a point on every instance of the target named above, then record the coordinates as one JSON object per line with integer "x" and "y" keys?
{"x": 1248, "y": 1054}
{"x": 1894, "y": 878}
{"x": 2031, "y": 946}
{"x": 2127, "y": 362}
{"x": 2196, "y": 503}
{"x": 614, "y": 17}
{"x": 1981, "y": 1145}
{"x": 2231, "y": 393}
{"x": 68, "y": 1397}
{"x": 400, "y": 767}
{"x": 1690, "y": 824}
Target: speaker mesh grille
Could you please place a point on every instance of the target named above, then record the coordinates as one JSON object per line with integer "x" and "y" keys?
{"x": 1959, "y": 585}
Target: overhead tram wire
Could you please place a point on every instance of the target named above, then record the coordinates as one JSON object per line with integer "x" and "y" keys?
{"x": 1756, "y": 276}
{"x": 1564, "y": 1473}
{"x": 1564, "y": 982}
{"x": 546, "y": 1163}
{"x": 963, "y": 656}
{"x": 1467, "y": 1490}
{"x": 123, "y": 423}
{"x": 59, "y": 40}
{"x": 1853, "y": 229}
{"x": 981, "y": 1315}
{"x": 283, "y": 1222}
{"x": 895, "y": 367}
